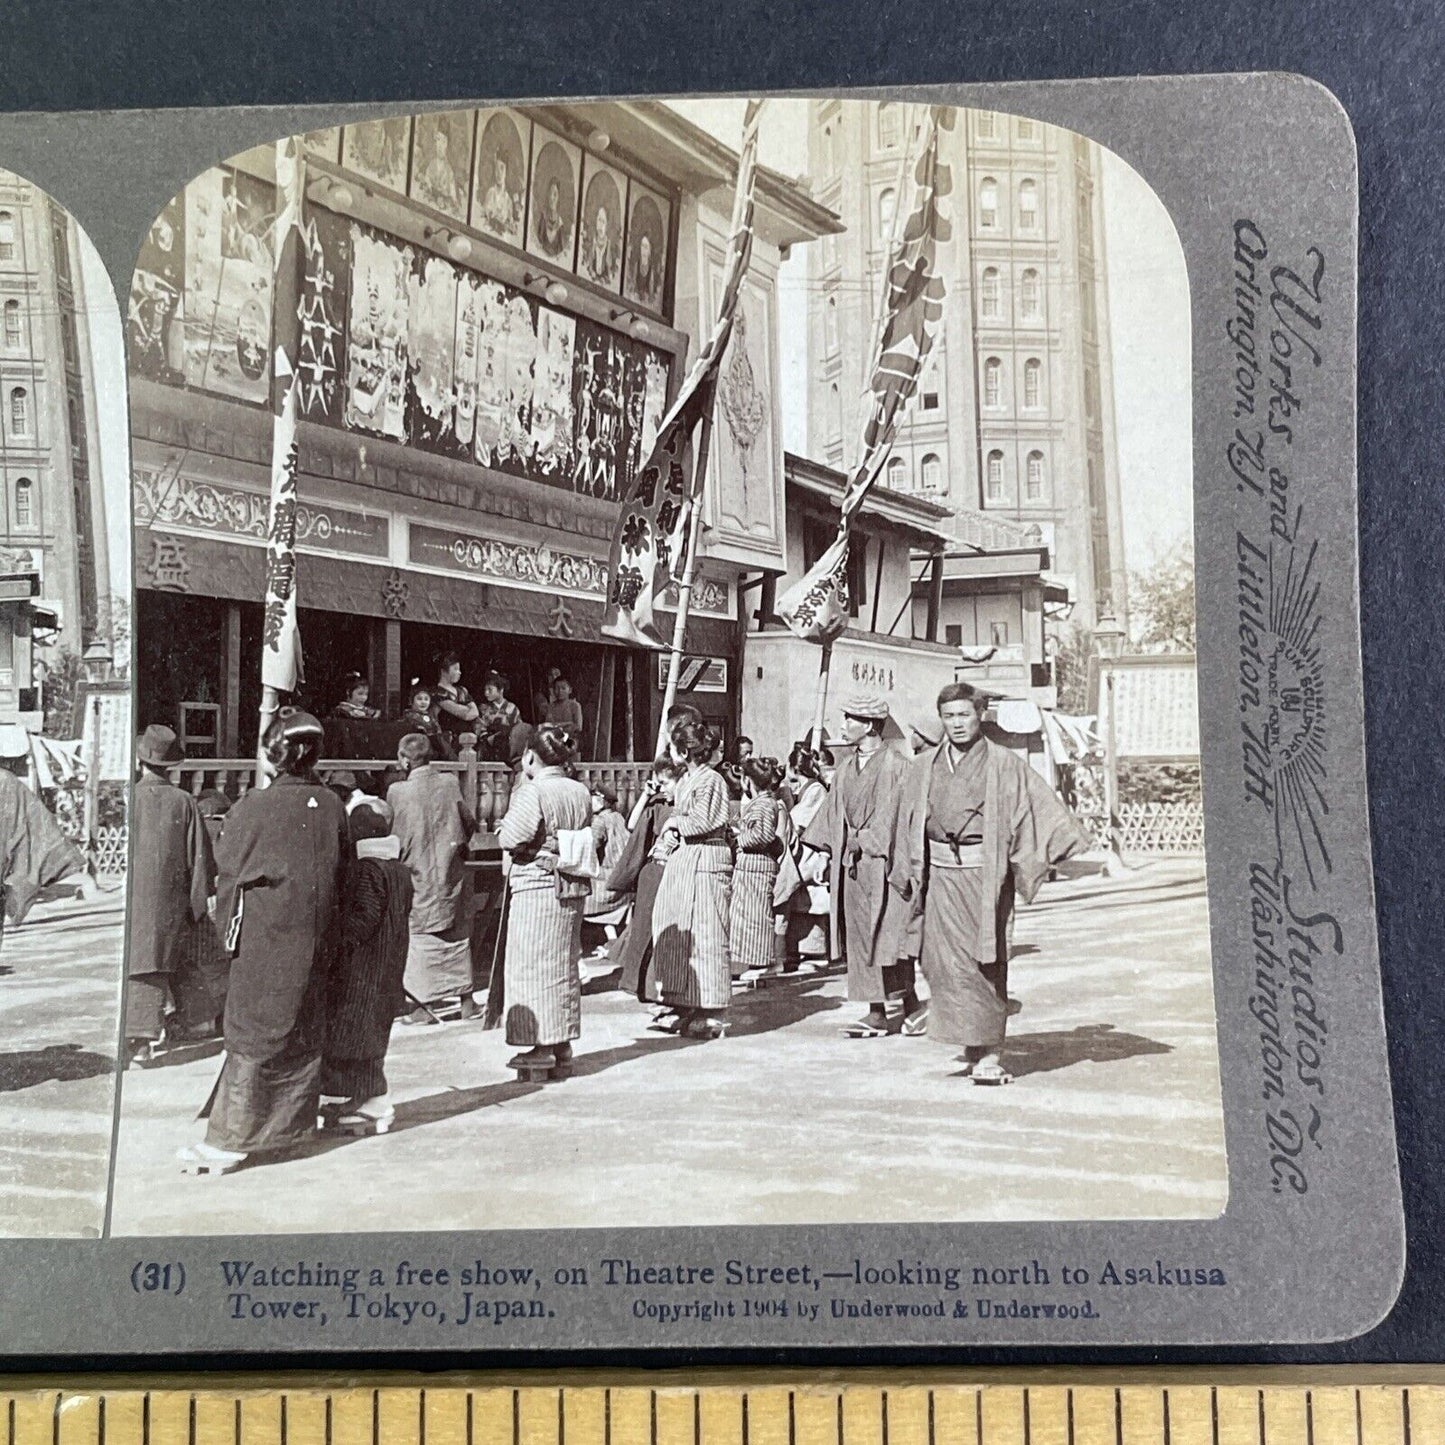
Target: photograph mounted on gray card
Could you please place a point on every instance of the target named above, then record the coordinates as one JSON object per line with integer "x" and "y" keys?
{"x": 758, "y": 703}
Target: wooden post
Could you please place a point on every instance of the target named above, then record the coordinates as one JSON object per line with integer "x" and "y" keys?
{"x": 631, "y": 701}
{"x": 230, "y": 739}
{"x": 684, "y": 588}
{"x": 1115, "y": 863}
{"x": 92, "y": 773}
{"x": 935, "y": 597}
{"x": 602, "y": 726}
{"x": 877, "y": 585}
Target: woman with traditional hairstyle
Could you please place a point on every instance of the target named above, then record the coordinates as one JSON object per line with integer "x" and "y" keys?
{"x": 282, "y": 862}
{"x": 365, "y": 991}
{"x": 355, "y": 690}
{"x": 807, "y": 928}
{"x": 690, "y": 917}
{"x": 542, "y": 981}
{"x": 755, "y": 870}
{"x": 421, "y": 717}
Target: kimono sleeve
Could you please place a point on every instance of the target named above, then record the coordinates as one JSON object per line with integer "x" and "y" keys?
{"x": 523, "y": 820}
{"x": 827, "y": 823}
{"x": 203, "y": 861}
{"x": 758, "y": 827}
{"x": 1044, "y": 834}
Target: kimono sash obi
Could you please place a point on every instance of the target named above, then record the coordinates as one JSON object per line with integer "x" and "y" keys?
{"x": 719, "y": 837}
{"x": 950, "y": 853}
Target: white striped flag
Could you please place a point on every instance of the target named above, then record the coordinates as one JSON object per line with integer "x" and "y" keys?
{"x": 280, "y": 637}
{"x": 816, "y": 608}
{"x": 649, "y": 544}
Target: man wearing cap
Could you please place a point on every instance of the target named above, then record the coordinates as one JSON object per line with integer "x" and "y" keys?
{"x": 856, "y": 826}
{"x": 977, "y": 828}
{"x": 172, "y": 877}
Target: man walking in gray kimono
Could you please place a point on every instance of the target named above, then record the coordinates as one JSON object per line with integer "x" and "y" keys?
{"x": 856, "y": 826}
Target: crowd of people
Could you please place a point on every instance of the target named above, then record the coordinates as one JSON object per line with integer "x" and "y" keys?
{"x": 301, "y": 923}
{"x": 444, "y": 711}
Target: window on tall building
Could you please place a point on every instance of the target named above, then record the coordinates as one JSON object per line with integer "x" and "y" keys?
{"x": 930, "y": 474}
{"x": 998, "y": 634}
{"x": 1086, "y": 220}
{"x": 897, "y": 474}
{"x": 830, "y": 326}
{"x": 887, "y": 208}
{"x": 1028, "y": 205}
{"x": 993, "y": 477}
{"x": 890, "y": 125}
{"x": 992, "y": 381}
{"x": 7, "y": 236}
{"x": 988, "y": 204}
{"x": 1029, "y": 290}
{"x": 991, "y": 292}
{"x": 986, "y": 125}
{"x": 1091, "y": 393}
{"x": 1033, "y": 373}
{"x": 830, "y": 253}
{"x": 835, "y": 415}
{"x": 1034, "y": 477}
{"x": 930, "y": 401}
{"x": 1027, "y": 130}
{"x": 827, "y": 149}
{"x": 24, "y": 503}
{"x": 953, "y": 634}
{"x": 13, "y": 335}
{"x": 19, "y": 411}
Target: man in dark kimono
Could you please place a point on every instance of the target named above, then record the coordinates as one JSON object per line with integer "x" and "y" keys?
{"x": 856, "y": 827}
{"x": 34, "y": 853}
{"x": 171, "y": 881}
{"x": 977, "y": 829}
{"x": 282, "y": 864}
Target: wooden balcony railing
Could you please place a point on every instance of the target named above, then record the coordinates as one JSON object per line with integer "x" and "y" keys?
{"x": 487, "y": 787}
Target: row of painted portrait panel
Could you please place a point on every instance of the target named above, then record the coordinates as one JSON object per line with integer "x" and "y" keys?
{"x": 522, "y": 184}
{"x": 395, "y": 342}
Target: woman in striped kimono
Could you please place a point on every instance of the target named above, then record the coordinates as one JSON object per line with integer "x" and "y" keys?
{"x": 543, "y": 985}
{"x": 690, "y": 916}
{"x": 755, "y": 870}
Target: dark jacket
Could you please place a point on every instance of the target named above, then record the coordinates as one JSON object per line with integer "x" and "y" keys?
{"x": 171, "y": 876}
{"x": 284, "y": 853}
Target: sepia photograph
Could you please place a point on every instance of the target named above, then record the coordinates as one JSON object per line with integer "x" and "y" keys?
{"x": 65, "y": 714}
{"x": 565, "y": 732}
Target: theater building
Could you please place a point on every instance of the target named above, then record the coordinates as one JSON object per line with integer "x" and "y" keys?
{"x": 497, "y": 307}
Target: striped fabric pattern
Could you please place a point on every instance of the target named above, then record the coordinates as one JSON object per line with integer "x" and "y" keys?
{"x": 544, "y": 985}
{"x": 544, "y": 924}
{"x": 690, "y": 917}
{"x": 751, "y": 931}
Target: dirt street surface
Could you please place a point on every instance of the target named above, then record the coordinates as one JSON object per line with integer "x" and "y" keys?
{"x": 1115, "y": 1112}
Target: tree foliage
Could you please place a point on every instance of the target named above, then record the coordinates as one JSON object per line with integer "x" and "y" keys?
{"x": 1162, "y": 601}
{"x": 1071, "y": 669}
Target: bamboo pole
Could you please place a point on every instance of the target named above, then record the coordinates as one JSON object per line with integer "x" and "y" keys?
{"x": 820, "y": 706}
{"x": 684, "y": 586}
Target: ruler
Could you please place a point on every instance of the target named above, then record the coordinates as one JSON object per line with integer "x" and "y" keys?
{"x": 996, "y": 1410}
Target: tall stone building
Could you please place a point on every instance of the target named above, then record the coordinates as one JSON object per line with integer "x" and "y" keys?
{"x": 1013, "y": 428}
{"x": 54, "y": 572}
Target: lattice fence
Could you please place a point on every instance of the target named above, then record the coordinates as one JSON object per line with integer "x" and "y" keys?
{"x": 111, "y": 845}
{"x": 1151, "y": 827}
